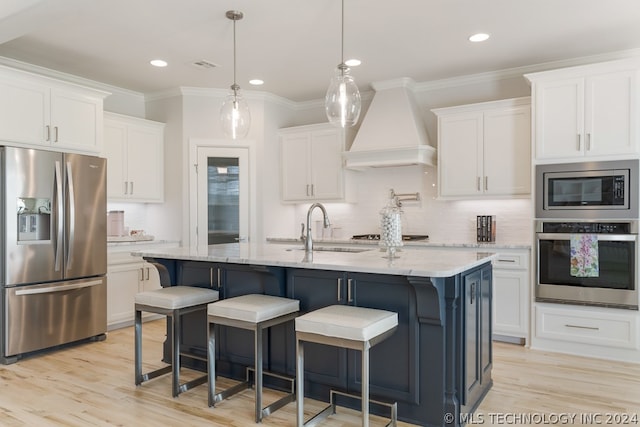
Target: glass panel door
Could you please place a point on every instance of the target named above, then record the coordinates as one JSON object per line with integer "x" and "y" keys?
{"x": 222, "y": 195}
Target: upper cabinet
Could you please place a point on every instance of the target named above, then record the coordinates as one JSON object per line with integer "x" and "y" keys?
{"x": 586, "y": 111}
{"x": 485, "y": 149}
{"x": 135, "y": 152}
{"x": 45, "y": 113}
{"x": 312, "y": 164}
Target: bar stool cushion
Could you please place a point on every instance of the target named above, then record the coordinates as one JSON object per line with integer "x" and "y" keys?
{"x": 347, "y": 322}
{"x": 253, "y": 308}
{"x": 176, "y": 297}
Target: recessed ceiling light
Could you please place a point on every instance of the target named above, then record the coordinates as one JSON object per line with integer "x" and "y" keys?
{"x": 352, "y": 62}
{"x": 256, "y": 82}
{"x": 480, "y": 37}
{"x": 158, "y": 63}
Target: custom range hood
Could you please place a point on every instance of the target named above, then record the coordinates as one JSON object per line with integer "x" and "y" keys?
{"x": 392, "y": 132}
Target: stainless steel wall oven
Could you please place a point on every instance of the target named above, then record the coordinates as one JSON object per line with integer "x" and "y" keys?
{"x": 615, "y": 284}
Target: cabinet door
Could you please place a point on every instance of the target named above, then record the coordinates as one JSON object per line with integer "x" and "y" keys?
{"x": 509, "y": 302}
{"x": 559, "y": 118}
{"x": 76, "y": 121}
{"x": 610, "y": 121}
{"x": 122, "y": 286}
{"x": 459, "y": 149}
{"x": 507, "y": 151}
{"x": 397, "y": 380}
{"x": 316, "y": 289}
{"x": 326, "y": 165}
{"x": 24, "y": 111}
{"x": 296, "y": 157}
{"x": 115, "y": 150}
{"x": 145, "y": 164}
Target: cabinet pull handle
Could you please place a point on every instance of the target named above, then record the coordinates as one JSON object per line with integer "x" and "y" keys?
{"x": 147, "y": 273}
{"x": 307, "y": 189}
{"x": 591, "y": 328}
{"x": 588, "y": 142}
{"x": 219, "y": 278}
{"x": 506, "y": 260}
{"x": 48, "y": 132}
{"x": 55, "y": 129}
{"x": 131, "y": 187}
{"x": 579, "y": 142}
{"x": 339, "y": 289}
{"x": 473, "y": 293}
{"x": 126, "y": 187}
{"x": 478, "y": 183}
{"x": 211, "y": 277}
{"x": 486, "y": 183}
{"x": 140, "y": 274}
{"x": 313, "y": 190}
{"x": 349, "y": 286}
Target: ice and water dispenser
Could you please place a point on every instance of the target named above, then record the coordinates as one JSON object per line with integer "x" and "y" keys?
{"x": 34, "y": 219}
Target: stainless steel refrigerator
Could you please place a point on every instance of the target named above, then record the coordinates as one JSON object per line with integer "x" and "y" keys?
{"x": 53, "y": 252}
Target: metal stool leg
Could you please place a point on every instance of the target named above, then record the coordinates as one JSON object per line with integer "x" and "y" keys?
{"x": 175, "y": 360}
{"x": 299, "y": 383}
{"x": 138, "y": 347}
{"x": 211, "y": 362}
{"x": 365, "y": 385}
{"x": 258, "y": 372}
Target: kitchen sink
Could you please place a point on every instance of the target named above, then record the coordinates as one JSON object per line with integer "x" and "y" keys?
{"x": 333, "y": 249}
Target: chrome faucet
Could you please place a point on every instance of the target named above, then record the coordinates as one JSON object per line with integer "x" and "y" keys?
{"x": 308, "y": 240}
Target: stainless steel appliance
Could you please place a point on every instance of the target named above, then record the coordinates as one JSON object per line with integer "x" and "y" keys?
{"x": 615, "y": 285}
{"x": 53, "y": 251}
{"x": 588, "y": 190}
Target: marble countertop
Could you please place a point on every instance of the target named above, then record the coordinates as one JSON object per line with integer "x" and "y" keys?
{"x": 410, "y": 261}
{"x": 415, "y": 243}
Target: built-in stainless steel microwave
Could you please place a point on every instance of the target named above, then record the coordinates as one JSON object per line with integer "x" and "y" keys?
{"x": 588, "y": 190}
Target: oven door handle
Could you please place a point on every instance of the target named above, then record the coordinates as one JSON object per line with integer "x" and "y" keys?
{"x": 601, "y": 237}
{"x": 57, "y": 288}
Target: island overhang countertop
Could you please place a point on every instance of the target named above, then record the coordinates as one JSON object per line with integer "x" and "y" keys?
{"x": 410, "y": 261}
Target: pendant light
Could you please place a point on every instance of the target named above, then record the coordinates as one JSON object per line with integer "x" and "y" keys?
{"x": 342, "y": 102}
{"x": 234, "y": 113}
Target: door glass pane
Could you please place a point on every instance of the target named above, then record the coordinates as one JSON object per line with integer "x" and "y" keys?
{"x": 223, "y": 202}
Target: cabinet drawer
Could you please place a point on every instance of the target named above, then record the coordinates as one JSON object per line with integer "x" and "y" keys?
{"x": 511, "y": 261}
{"x": 588, "y": 327}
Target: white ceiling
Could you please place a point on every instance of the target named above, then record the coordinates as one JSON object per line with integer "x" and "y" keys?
{"x": 294, "y": 45}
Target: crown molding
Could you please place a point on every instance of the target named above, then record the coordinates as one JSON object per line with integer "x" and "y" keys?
{"x": 517, "y": 72}
{"x": 69, "y": 78}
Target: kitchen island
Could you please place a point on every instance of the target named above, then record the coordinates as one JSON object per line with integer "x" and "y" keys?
{"x": 436, "y": 366}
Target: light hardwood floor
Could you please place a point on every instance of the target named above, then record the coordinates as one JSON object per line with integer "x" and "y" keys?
{"x": 92, "y": 385}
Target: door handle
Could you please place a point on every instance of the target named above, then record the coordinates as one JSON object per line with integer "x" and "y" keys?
{"x": 57, "y": 288}
{"x": 59, "y": 203}
{"x": 349, "y": 286}
{"x": 48, "y": 129}
{"x": 72, "y": 216}
{"x": 131, "y": 187}
{"x": 339, "y": 289}
{"x": 55, "y": 129}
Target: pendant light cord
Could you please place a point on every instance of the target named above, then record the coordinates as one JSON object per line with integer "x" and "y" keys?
{"x": 342, "y": 37}
{"x": 235, "y": 86}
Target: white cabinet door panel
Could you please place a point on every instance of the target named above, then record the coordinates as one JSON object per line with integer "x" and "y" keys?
{"x": 24, "y": 111}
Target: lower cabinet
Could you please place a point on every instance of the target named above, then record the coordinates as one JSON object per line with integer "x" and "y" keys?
{"x": 124, "y": 281}
{"x": 477, "y": 334}
{"x": 511, "y": 296}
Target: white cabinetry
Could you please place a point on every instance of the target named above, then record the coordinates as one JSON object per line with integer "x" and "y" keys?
{"x": 45, "y": 113}
{"x": 586, "y": 111}
{"x": 312, "y": 164}
{"x": 126, "y": 276}
{"x": 587, "y": 331}
{"x": 485, "y": 149}
{"x": 135, "y": 152}
{"x": 511, "y": 296}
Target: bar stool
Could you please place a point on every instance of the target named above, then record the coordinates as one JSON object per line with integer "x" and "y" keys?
{"x": 343, "y": 326}
{"x": 252, "y": 312}
{"x": 172, "y": 301}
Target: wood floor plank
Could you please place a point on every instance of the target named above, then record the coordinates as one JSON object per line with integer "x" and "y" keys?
{"x": 93, "y": 385}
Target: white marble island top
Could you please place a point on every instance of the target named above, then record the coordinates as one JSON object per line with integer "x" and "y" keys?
{"x": 410, "y": 261}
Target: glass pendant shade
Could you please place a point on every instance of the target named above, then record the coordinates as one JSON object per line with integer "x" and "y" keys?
{"x": 342, "y": 102}
{"x": 235, "y": 116}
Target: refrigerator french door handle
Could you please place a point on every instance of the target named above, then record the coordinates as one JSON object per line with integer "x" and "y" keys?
{"x": 31, "y": 290}
{"x": 72, "y": 217}
{"x": 60, "y": 209}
